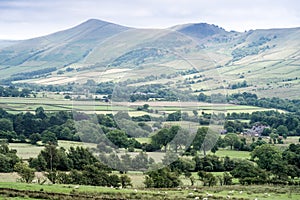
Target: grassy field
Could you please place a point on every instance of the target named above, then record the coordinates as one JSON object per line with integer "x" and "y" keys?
{"x": 233, "y": 154}
{"x": 15, "y": 105}
{"x": 235, "y": 192}
{"x": 26, "y": 151}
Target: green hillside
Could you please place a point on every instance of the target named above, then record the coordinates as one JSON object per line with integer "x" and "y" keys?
{"x": 266, "y": 60}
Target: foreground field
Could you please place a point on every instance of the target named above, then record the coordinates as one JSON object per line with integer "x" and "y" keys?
{"x": 35, "y": 191}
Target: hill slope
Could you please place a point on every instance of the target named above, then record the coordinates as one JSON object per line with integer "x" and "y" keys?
{"x": 268, "y": 60}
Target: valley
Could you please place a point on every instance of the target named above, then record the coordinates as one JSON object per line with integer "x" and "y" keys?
{"x": 105, "y": 111}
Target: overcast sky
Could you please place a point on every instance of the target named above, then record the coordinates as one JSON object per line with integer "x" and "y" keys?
{"x": 21, "y": 19}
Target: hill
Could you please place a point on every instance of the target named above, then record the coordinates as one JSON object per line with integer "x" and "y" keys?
{"x": 208, "y": 58}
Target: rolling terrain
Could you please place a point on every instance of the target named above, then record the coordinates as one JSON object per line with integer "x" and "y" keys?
{"x": 268, "y": 60}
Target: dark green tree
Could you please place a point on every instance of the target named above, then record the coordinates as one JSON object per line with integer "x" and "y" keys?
{"x": 161, "y": 139}
{"x": 207, "y": 178}
{"x": 6, "y": 125}
{"x": 26, "y": 173}
{"x": 231, "y": 139}
{"x": 205, "y": 139}
{"x": 162, "y": 178}
{"x": 34, "y": 138}
{"x": 49, "y": 137}
{"x": 266, "y": 154}
{"x": 125, "y": 181}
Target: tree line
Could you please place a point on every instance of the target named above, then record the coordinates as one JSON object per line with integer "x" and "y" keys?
{"x": 250, "y": 99}
{"x": 75, "y": 166}
{"x": 12, "y": 91}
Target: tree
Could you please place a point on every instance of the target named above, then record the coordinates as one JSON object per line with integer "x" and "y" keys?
{"x": 40, "y": 113}
{"x": 141, "y": 161}
{"x": 207, "y": 178}
{"x": 79, "y": 157}
{"x": 34, "y": 138}
{"x": 119, "y": 138}
{"x": 178, "y": 137}
{"x": 205, "y": 139}
{"x": 227, "y": 178}
{"x": 202, "y": 97}
{"x": 162, "y": 178}
{"x": 280, "y": 169}
{"x": 189, "y": 175}
{"x": 182, "y": 165}
{"x": 6, "y": 125}
{"x": 51, "y": 158}
{"x": 146, "y": 106}
{"x": 266, "y": 155}
{"x": 161, "y": 139}
{"x": 266, "y": 132}
{"x": 229, "y": 164}
{"x": 281, "y": 130}
{"x": 231, "y": 139}
{"x": 125, "y": 181}
{"x": 9, "y": 135}
{"x": 247, "y": 172}
{"x": 8, "y": 158}
{"x": 26, "y": 173}
{"x": 97, "y": 177}
{"x": 38, "y": 163}
{"x": 52, "y": 176}
{"x": 49, "y": 137}
{"x": 176, "y": 116}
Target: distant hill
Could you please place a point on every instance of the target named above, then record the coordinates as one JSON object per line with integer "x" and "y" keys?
{"x": 58, "y": 49}
{"x": 200, "y": 30}
{"x": 268, "y": 60}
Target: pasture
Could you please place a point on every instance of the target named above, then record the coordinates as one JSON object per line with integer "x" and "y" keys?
{"x": 233, "y": 154}
{"x": 26, "y": 151}
{"x": 56, "y": 103}
{"x": 35, "y": 191}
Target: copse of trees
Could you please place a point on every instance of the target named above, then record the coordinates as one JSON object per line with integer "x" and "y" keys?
{"x": 162, "y": 178}
{"x": 76, "y": 166}
{"x": 173, "y": 138}
{"x": 51, "y": 127}
{"x": 126, "y": 162}
{"x": 12, "y": 91}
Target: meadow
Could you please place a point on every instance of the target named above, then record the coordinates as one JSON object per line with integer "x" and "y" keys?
{"x": 54, "y": 102}
{"x": 36, "y": 191}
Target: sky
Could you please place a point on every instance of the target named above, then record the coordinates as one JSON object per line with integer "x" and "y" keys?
{"x": 23, "y": 19}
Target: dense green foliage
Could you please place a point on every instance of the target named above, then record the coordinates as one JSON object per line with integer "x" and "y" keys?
{"x": 162, "y": 178}
{"x": 12, "y": 91}
{"x": 8, "y": 158}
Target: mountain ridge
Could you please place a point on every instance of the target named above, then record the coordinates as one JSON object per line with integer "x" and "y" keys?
{"x": 94, "y": 45}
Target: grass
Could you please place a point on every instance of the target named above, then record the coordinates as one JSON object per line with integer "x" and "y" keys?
{"x": 220, "y": 192}
{"x": 56, "y": 103}
{"x": 233, "y": 154}
{"x": 143, "y": 140}
{"x": 26, "y": 151}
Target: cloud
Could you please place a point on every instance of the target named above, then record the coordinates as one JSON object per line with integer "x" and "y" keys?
{"x": 33, "y": 18}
